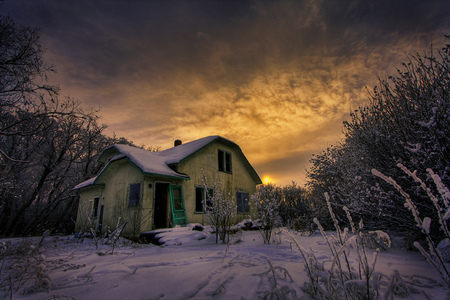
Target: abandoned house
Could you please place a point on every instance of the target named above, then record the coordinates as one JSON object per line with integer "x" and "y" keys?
{"x": 151, "y": 190}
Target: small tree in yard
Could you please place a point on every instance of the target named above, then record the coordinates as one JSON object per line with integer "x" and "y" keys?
{"x": 267, "y": 201}
{"x": 219, "y": 209}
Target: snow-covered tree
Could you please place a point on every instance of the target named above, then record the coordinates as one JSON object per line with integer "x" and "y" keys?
{"x": 48, "y": 144}
{"x": 406, "y": 122}
{"x": 295, "y": 208}
{"x": 219, "y": 208}
{"x": 266, "y": 202}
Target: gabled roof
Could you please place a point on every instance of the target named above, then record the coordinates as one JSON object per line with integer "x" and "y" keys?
{"x": 179, "y": 153}
{"x": 157, "y": 163}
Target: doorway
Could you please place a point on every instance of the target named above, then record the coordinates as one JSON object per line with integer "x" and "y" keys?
{"x": 161, "y": 211}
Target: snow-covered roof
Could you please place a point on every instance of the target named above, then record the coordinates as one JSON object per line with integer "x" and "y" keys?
{"x": 177, "y": 154}
{"x": 86, "y": 183}
{"x": 157, "y": 163}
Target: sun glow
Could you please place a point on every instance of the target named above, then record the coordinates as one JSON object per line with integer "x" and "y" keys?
{"x": 267, "y": 180}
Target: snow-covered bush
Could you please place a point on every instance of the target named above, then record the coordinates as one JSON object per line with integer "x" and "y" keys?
{"x": 219, "y": 209}
{"x": 266, "y": 202}
{"x": 405, "y": 121}
{"x": 344, "y": 279}
{"x": 21, "y": 263}
{"x": 441, "y": 203}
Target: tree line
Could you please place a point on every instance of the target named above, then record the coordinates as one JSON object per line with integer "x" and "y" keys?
{"x": 48, "y": 143}
{"x": 396, "y": 146}
{"x": 404, "y": 127}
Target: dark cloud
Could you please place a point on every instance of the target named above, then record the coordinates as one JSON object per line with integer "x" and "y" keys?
{"x": 277, "y": 77}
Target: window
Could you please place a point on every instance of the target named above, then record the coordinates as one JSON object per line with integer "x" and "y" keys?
{"x": 242, "y": 202}
{"x": 135, "y": 195}
{"x": 177, "y": 196}
{"x": 224, "y": 161}
{"x": 95, "y": 207}
{"x": 200, "y": 197}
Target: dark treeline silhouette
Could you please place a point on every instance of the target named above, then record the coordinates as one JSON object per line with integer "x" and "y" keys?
{"x": 47, "y": 143}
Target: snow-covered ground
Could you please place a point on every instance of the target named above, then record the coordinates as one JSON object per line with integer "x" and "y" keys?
{"x": 191, "y": 265}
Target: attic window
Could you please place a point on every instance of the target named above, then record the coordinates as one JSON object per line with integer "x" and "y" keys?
{"x": 135, "y": 195}
{"x": 224, "y": 161}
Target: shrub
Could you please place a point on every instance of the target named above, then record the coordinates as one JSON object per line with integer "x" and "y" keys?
{"x": 343, "y": 279}
{"x": 442, "y": 208}
{"x": 267, "y": 201}
{"x": 219, "y": 210}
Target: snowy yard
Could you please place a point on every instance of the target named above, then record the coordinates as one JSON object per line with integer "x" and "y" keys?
{"x": 191, "y": 265}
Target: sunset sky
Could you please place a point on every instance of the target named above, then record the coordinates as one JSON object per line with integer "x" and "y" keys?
{"x": 276, "y": 77}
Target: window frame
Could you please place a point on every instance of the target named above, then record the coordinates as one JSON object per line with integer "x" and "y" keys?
{"x": 134, "y": 202}
{"x": 204, "y": 196}
{"x": 225, "y": 161}
{"x": 241, "y": 207}
{"x": 95, "y": 206}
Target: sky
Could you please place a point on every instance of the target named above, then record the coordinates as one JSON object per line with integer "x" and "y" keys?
{"x": 276, "y": 77}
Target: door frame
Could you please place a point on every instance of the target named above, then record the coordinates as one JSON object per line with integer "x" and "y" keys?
{"x": 166, "y": 201}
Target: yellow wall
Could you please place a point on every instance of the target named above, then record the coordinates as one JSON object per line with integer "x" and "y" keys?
{"x": 120, "y": 174}
{"x": 85, "y": 205}
{"x": 114, "y": 196}
{"x": 207, "y": 159}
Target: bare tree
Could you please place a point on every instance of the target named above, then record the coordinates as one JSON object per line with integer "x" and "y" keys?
{"x": 47, "y": 144}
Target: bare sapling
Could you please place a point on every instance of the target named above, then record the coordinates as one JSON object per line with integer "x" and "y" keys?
{"x": 20, "y": 264}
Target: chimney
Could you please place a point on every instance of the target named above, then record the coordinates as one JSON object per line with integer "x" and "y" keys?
{"x": 177, "y": 143}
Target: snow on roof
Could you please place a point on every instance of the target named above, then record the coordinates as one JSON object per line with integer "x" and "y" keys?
{"x": 179, "y": 153}
{"x": 85, "y": 183}
{"x": 157, "y": 163}
{"x": 149, "y": 162}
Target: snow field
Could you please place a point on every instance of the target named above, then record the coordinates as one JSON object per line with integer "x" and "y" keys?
{"x": 191, "y": 266}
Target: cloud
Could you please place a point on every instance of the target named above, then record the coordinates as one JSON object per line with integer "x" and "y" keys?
{"x": 276, "y": 77}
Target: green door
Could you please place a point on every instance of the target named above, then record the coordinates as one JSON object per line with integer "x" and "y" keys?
{"x": 177, "y": 205}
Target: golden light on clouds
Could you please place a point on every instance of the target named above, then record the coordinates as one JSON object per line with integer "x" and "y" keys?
{"x": 276, "y": 77}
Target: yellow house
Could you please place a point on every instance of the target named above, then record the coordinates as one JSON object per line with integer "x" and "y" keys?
{"x": 151, "y": 190}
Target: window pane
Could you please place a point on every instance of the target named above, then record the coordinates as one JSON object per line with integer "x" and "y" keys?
{"x": 95, "y": 209}
{"x": 177, "y": 199}
{"x": 242, "y": 202}
{"x": 135, "y": 194}
{"x": 199, "y": 199}
{"x": 221, "y": 160}
{"x": 228, "y": 162}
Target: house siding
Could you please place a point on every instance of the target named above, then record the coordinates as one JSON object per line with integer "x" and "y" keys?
{"x": 113, "y": 187}
{"x": 85, "y": 221}
{"x": 207, "y": 160}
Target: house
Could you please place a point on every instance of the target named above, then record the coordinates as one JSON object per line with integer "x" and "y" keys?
{"x": 151, "y": 190}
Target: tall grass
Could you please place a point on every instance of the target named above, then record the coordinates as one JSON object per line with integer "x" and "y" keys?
{"x": 345, "y": 278}
{"x": 442, "y": 208}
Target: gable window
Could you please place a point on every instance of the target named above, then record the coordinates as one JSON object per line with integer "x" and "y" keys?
{"x": 135, "y": 195}
{"x": 224, "y": 161}
{"x": 200, "y": 196}
{"x": 95, "y": 207}
{"x": 242, "y": 202}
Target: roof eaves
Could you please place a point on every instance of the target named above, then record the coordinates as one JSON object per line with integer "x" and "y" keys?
{"x": 250, "y": 167}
